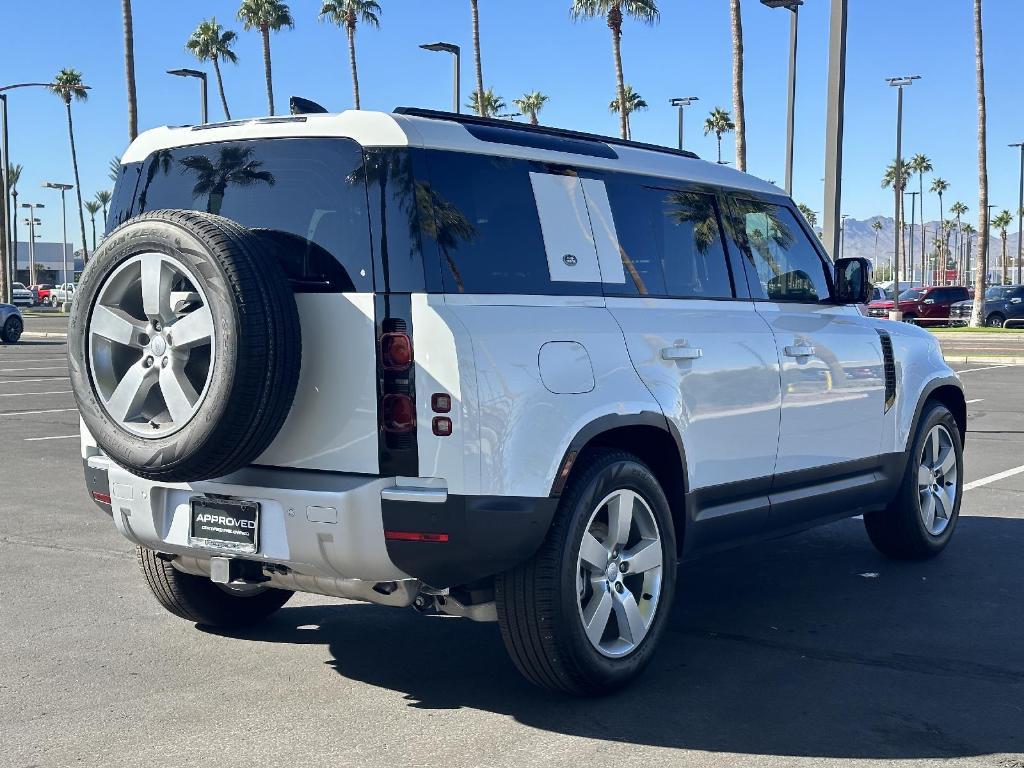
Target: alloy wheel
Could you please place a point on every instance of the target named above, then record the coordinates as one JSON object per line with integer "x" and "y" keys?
{"x": 937, "y": 480}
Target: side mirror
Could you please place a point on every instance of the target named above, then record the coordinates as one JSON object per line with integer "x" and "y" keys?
{"x": 853, "y": 281}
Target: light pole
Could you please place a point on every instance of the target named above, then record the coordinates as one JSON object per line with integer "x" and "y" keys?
{"x": 32, "y": 220}
{"x": 988, "y": 233}
{"x": 834, "y": 125}
{"x": 1020, "y": 211}
{"x": 64, "y": 228}
{"x": 456, "y": 53}
{"x": 680, "y": 103}
{"x": 200, "y": 75}
{"x": 899, "y": 83}
{"x": 794, "y": 24}
{"x": 842, "y": 234}
{"x": 910, "y": 254}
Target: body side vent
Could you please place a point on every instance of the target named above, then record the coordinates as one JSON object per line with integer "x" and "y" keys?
{"x": 889, "y": 365}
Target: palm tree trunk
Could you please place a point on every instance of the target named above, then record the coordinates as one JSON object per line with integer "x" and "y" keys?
{"x": 78, "y": 184}
{"x": 93, "y": 218}
{"x": 350, "y": 27}
{"x": 982, "y": 266}
{"x": 267, "y": 69}
{"x": 220, "y": 88}
{"x": 533, "y": 118}
{"x": 615, "y": 25}
{"x": 129, "y": 70}
{"x": 719, "y": 149}
{"x": 1002, "y": 275}
{"x": 737, "y": 85}
{"x": 941, "y": 242}
{"x": 477, "y": 58}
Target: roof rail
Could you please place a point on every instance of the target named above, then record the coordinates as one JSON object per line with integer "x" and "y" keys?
{"x": 541, "y": 130}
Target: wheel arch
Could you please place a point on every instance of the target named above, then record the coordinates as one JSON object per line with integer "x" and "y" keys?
{"x": 650, "y": 437}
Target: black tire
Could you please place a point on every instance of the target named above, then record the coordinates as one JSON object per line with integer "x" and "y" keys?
{"x": 910, "y": 318}
{"x": 537, "y": 603}
{"x": 12, "y": 330}
{"x": 197, "y": 599}
{"x": 995, "y": 320}
{"x": 898, "y": 531}
{"x": 252, "y": 382}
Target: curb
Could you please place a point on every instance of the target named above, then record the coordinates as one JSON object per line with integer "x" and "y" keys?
{"x": 984, "y": 359}
{"x": 41, "y": 335}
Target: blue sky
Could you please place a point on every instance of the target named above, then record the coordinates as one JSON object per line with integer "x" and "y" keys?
{"x": 534, "y": 45}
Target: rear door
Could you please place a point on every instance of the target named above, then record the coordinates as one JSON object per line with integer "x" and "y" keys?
{"x": 833, "y": 394}
{"x": 694, "y": 338}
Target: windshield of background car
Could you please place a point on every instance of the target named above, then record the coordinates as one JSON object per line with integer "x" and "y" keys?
{"x": 911, "y": 295}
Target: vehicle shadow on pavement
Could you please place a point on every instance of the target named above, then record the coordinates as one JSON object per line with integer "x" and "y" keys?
{"x": 812, "y": 645}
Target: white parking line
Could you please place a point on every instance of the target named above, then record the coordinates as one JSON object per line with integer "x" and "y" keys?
{"x": 26, "y": 394}
{"x": 976, "y": 400}
{"x": 40, "y": 368}
{"x": 57, "y": 437}
{"x": 33, "y": 413}
{"x": 33, "y": 381}
{"x": 993, "y": 478}
{"x": 37, "y": 360}
{"x": 989, "y": 367}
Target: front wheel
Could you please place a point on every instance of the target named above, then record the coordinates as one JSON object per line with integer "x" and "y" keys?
{"x": 585, "y": 613}
{"x": 911, "y": 319}
{"x": 995, "y": 321}
{"x": 919, "y": 522}
{"x": 12, "y": 329}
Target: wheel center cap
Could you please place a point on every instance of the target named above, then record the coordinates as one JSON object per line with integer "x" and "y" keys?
{"x": 611, "y": 572}
{"x": 159, "y": 345}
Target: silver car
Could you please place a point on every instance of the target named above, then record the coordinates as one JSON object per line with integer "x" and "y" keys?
{"x": 11, "y": 324}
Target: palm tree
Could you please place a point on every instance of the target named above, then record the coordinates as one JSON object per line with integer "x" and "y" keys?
{"x": 129, "y": 69}
{"x": 211, "y": 42}
{"x": 980, "y": 272}
{"x": 103, "y": 198}
{"x": 938, "y": 187}
{"x": 68, "y": 85}
{"x": 348, "y": 13}
{"x": 93, "y": 208}
{"x": 898, "y": 177}
{"x": 613, "y": 11}
{"x": 811, "y": 216}
{"x": 13, "y": 177}
{"x": 877, "y": 226}
{"x": 889, "y": 177}
{"x": 1002, "y": 222}
{"x": 719, "y": 122}
{"x": 969, "y": 233}
{"x": 476, "y": 49}
{"x": 530, "y": 104}
{"x": 489, "y": 106}
{"x": 266, "y": 16}
{"x": 634, "y": 103}
{"x": 921, "y": 164}
{"x": 235, "y": 167}
{"x": 958, "y": 209}
{"x": 737, "y": 84}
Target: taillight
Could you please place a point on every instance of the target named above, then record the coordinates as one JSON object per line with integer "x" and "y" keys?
{"x": 395, "y": 351}
{"x": 398, "y": 413}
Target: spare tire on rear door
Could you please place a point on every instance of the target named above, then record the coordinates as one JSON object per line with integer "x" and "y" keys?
{"x": 184, "y": 346}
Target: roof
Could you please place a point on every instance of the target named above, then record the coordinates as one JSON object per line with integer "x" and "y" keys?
{"x": 439, "y": 130}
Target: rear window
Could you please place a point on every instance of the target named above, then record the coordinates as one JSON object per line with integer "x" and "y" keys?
{"x": 305, "y": 197}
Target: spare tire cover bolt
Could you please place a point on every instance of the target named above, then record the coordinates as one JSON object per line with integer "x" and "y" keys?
{"x": 148, "y": 362}
{"x": 163, "y": 363}
{"x": 619, "y": 588}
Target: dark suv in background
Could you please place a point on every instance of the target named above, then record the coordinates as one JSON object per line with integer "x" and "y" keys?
{"x": 930, "y": 304}
{"x": 1004, "y": 306}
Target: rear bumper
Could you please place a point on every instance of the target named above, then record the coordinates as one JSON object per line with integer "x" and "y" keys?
{"x": 333, "y": 525}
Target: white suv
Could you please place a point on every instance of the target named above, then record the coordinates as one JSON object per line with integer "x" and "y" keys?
{"x": 498, "y": 371}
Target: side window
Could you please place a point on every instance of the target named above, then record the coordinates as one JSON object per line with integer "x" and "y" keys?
{"x": 670, "y": 242}
{"x": 481, "y": 212}
{"x": 783, "y": 264}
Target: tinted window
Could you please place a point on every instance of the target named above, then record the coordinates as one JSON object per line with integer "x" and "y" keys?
{"x": 670, "y": 242}
{"x": 394, "y": 225}
{"x": 783, "y": 264}
{"x": 481, "y": 212}
{"x": 305, "y": 197}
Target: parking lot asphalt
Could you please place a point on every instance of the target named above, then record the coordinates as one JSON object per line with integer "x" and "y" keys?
{"x": 808, "y": 650}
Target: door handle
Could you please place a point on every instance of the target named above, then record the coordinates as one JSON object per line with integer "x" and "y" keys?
{"x": 800, "y": 350}
{"x": 681, "y": 353}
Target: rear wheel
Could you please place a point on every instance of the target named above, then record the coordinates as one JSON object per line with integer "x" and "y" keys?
{"x": 919, "y": 522}
{"x": 584, "y": 615}
{"x": 995, "y": 320}
{"x": 200, "y": 600}
{"x": 12, "y": 330}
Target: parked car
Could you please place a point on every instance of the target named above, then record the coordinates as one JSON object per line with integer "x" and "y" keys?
{"x": 488, "y": 371}
{"x": 41, "y": 292}
{"x": 1004, "y": 306}
{"x": 875, "y": 294}
{"x": 927, "y": 306}
{"x": 21, "y": 296}
{"x": 61, "y": 293}
{"x": 11, "y": 324}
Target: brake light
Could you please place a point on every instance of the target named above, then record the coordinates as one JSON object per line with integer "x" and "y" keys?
{"x": 398, "y": 413}
{"x": 414, "y": 536}
{"x": 395, "y": 351}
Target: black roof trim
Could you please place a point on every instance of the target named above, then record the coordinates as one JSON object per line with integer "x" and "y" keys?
{"x": 539, "y": 130}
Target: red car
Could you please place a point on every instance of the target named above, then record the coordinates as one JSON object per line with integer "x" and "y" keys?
{"x": 929, "y": 304}
{"x": 41, "y": 292}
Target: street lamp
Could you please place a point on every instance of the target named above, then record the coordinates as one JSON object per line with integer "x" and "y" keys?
{"x": 899, "y": 83}
{"x": 794, "y": 23}
{"x": 32, "y": 220}
{"x": 64, "y": 228}
{"x": 201, "y": 76}
{"x": 456, "y": 52}
{"x": 680, "y": 103}
{"x": 1020, "y": 210}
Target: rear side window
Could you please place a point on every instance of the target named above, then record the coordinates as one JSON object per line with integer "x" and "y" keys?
{"x": 481, "y": 213}
{"x": 670, "y": 241}
{"x": 305, "y": 197}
